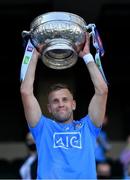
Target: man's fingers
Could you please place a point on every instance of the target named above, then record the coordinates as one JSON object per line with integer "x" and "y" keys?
{"x": 88, "y": 35}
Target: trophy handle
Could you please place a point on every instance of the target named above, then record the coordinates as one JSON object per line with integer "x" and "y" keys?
{"x": 25, "y": 34}
{"x": 90, "y": 27}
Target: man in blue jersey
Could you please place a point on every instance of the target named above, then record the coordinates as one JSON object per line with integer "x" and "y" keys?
{"x": 65, "y": 147}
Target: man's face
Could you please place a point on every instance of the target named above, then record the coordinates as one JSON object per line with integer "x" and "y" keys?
{"x": 61, "y": 105}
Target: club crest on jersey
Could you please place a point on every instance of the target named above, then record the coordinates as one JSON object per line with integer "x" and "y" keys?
{"x": 78, "y": 126}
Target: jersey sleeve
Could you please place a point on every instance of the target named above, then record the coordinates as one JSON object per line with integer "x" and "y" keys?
{"x": 37, "y": 130}
{"x": 94, "y": 129}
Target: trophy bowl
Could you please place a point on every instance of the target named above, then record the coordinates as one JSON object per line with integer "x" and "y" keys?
{"x": 61, "y": 36}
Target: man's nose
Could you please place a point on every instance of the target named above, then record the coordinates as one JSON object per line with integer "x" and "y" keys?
{"x": 61, "y": 103}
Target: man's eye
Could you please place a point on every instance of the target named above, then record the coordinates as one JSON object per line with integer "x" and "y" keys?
{"x": 55, "y": 101}
{"x": 65, "y": 99}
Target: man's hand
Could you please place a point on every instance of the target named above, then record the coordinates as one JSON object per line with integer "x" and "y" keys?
{"x": 38, "y": 50}
{"x": 86, "y": 48}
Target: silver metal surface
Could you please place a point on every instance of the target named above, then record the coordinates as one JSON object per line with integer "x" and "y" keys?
{"x": 61, "y": 36}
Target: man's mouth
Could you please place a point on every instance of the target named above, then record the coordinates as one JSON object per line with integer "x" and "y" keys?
{"x": 61, "y": 110}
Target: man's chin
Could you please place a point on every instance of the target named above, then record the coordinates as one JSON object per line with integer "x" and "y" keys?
{"x": 61, "y": 120}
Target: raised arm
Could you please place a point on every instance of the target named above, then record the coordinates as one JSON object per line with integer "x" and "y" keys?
{"x": 97, "y": 106}
{"x": 31, "y": 106}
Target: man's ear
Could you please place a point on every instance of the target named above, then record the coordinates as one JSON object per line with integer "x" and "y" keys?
{"x": 73, "y": 108}
{"x": 74, "y": 105}
{"x": 49, "y": 108}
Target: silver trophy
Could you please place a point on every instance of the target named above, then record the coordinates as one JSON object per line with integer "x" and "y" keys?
{"x": 60, "y": 35}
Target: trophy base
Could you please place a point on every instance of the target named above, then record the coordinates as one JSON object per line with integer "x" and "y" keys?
{"x": 59, "y": 54}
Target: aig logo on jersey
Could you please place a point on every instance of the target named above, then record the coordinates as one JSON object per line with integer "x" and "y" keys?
{"x": 67, "y": 140}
